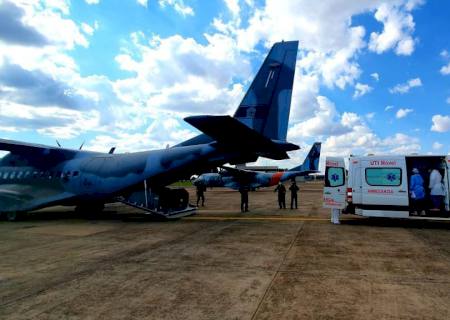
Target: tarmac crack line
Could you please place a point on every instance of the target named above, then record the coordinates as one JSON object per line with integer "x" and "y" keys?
{"x": 277, "y": 272}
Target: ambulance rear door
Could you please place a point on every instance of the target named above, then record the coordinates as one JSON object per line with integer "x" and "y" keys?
{"x": 335, "y": 183}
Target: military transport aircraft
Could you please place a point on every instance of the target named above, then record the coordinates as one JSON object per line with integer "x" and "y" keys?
{"x": 34, "y": 176}
{"x": 236, "y": 178}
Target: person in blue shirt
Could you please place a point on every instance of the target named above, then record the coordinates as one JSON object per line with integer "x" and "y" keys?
{"x": 417, "y": 192}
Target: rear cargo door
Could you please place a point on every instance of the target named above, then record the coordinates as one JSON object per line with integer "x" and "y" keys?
{"x": 335, "y": 183}
{"x": 447, "y": 183}
{"x": 385, "y": 183}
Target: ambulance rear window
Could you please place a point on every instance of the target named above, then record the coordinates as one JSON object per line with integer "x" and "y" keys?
{"x": 384, "y": 176}
{"x": 334, "y": 177}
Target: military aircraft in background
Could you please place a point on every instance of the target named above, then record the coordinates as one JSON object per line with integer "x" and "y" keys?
{"x": 34, "y": 176}
{"x": 234, "y": 178}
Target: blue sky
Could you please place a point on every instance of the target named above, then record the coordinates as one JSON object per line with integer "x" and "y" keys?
{"x": 372, "y": 76}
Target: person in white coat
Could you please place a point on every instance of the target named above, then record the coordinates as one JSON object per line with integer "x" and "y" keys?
{"x": 437, "y": 191}
{"x": 335, "y": 216}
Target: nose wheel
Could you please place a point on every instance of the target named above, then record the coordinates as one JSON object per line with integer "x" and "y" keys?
{"x": 12, "y": 216}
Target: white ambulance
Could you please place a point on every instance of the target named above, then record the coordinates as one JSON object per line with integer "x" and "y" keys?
{"x": 378, "y": 186}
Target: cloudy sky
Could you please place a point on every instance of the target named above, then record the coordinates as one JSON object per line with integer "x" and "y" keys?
{"x": 373, "y": 76}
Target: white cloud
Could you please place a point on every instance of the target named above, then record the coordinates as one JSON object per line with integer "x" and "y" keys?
{"x": 437, "y": 145}
{"x": 181, "y": 75}
{"x": 233, "y": 6}
{"x": 448, "y": 100}
{"x": 92, "y": 1}
{"x": 178, "y": 6}
{"x": 142, "y": 2}
{"x": 163, "y": 131}
{"x": 370, "y": 115}
{"x": 440, "y": 123}
{"x": 361, "y": 90}
{"x": 375, "y": 76}
{"x": 51, "y": 121}
{"x": 445, "y": 70}
{"x": 401, "y": 113}
{"x": 59, "y": 5}
{"x": 398, "y": 25}
{"x": 326, "y": 121}
{"x": 388, "y": 108}
{"x": 87, "y": 29}
{"x": 405, "y": 87}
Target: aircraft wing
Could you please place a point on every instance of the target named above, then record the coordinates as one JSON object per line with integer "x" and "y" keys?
{"x": 15, "y": 197}
{"x": 240, "y": 173}
{"x": 38, "y": 150}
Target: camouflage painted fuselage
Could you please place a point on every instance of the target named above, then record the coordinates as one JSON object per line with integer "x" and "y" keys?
{"x": 28, "y": 183}
{"x": 259, "y": 180}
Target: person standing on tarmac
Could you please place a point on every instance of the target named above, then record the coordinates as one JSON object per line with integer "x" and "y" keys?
{"x": 281, "y": 195}
{"x": 243, "y": 190}
{"x": 201, "y": 188}
{"x": 437, "y": 191}
{"x": 417, "y": 192}
{"x": 293, "y": 188}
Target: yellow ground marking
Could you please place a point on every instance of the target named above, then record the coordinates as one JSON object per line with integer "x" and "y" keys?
{"x": 269, "y": 218}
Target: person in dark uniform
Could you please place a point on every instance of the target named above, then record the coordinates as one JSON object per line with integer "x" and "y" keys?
{"x": 281, "y": 195}
{"x": 244, "y": 198}
{"x": 201, "y": 188}
{"x": 293, "y": 188}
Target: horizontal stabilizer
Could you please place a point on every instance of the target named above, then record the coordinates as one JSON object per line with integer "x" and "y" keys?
{"x": 230, "y": 132}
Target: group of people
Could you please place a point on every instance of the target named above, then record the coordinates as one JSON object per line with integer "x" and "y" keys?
{"x": 281, "y": 189}
{"x": 418, "y": 194}
{"x": 282, "y": 194}
{"x": 243, "y": 190}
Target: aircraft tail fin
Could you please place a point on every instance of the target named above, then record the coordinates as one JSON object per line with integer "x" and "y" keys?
{"x": 266, "y": 105}
{"x": 230, "y": 133}
{"x": 311, "y": 162}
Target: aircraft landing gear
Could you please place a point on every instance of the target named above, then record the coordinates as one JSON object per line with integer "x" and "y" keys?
{"x": 12, "y": 216}
{"x": 90, "y": 210}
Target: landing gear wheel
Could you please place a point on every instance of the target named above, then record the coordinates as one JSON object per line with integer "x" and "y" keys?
{"x": 90, "y": 211}
{"x": 13, "y": 216}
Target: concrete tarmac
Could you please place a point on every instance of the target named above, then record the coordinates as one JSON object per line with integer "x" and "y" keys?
{"x": 222, "y": 264}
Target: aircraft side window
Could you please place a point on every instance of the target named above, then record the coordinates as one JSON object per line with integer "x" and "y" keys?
{"x": 20, "y": 175}
{"x": 41, "y": 174}
{"x": 27, "y": 175}
{"x": 5, "y": 175}
{"x": 334, "y": 177}
{"x": 384, "y": 176}
{"x": 12, "y": 175}
{"x": 59, "y": 174}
